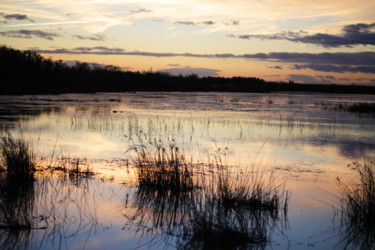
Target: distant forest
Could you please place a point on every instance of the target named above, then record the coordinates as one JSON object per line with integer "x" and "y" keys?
{"x": 27, "y": 72}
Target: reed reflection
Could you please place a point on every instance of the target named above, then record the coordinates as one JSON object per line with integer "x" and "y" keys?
{"x": 16, "y": 210}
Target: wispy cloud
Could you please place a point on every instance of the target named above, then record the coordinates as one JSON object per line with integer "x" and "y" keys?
{"x": 143, "y": 10}
{"x": 207, "y": 22}
{"x": 29, "y": 34}
{"x": 354, "y": 34}
{"x": 356, "y": 58}
{"x": 91, "y": 38}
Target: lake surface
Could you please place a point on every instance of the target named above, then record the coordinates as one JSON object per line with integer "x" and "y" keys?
{"x": 298, "y": 138}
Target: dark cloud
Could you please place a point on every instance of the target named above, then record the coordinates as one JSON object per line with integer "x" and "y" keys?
{"x": 359, "y": 58}
{"x": 91, "y": 38}
{"x": 173, "y": 65}
{"x": 201, "y": 72}
{"x": 308, "y": 79}
{"x": 335, "y": 68}
{"x": 354, "y": 34}
{"x": 274, "y": 67}
{"x": 18, "y": 17}
{"x": 29, "y": 34}
{"x": 97, "y": 50}
{"x": 207, "y": 22}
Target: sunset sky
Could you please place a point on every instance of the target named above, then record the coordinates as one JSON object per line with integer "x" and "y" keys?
{"x": 278, "y": 40}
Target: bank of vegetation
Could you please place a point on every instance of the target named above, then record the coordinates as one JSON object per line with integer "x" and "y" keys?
{"x": 27, "y": 72}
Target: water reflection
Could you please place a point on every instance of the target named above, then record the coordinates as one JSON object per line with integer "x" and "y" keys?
{"x": 45, "y": 211}
{"x": 307, "y": 145}
{"x": 16, "y": 211}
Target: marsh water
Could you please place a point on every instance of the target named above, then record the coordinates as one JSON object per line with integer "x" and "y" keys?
{"x": 299, "y": 138}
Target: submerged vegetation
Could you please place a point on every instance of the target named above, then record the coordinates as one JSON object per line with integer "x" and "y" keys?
{"x": 28, "y": 72}
{"x": 358, "y": 208}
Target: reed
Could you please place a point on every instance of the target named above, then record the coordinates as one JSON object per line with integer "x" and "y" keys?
{"x": 358, "y": 207}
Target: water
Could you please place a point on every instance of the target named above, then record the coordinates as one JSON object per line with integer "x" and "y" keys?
{"x": 306, "y": 144}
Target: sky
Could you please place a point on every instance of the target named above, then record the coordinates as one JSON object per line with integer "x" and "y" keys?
{"x": 304, "y": 41}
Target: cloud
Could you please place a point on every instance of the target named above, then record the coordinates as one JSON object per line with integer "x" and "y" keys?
{"x": 97, "y": 50}
{"x": 207, "y": 22}
{"x": 93, "y": 65}
{"x": 29, "y": 34}
{"x": 356, "y": 58}
{"x": 201, "y": 72}
{"x": 308, "y": 79}
{"x": 326, "y": 77}
{"x": 18, "y": 17}
{"x": 91, "y": 38}
{"x": 173, "y": 65}
{"x": 354, "y": 34}
{"x": 274, "y": 67}
{"x": 335, "y": 68}
{"x": 140, "y": 11}
{"x": 185, "y": 22}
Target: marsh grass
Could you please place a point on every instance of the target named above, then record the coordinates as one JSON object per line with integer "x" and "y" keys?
{"x": 17, "y": 191}
{"x": 237, "y": 209}
{"x": 247, "y": 188}
{"x": 17, "y": 157}
{"x": 213, "y": 226}
{"x": 213, "y": 206}
{"x": 358, "y": 208}
{"x": 162, "y": 167}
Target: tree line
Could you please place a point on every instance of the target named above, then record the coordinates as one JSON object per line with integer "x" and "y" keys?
{"x": 28, "y": 72}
